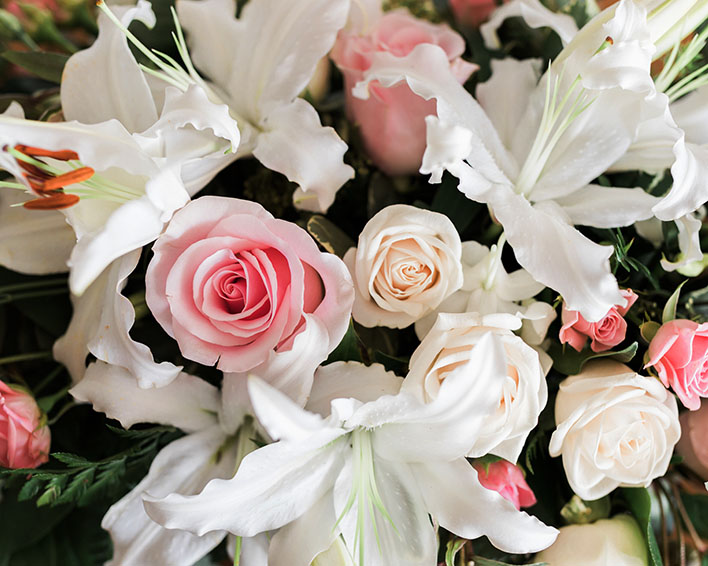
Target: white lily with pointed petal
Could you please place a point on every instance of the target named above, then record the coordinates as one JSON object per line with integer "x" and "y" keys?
{"x": 211, "y": 449}
{"x": 372, "y": 471}
{"x": 105, "y": 82}
{"x": 536, "y": 177}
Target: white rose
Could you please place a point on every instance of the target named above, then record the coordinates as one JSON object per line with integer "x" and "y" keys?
{"x": 406, "y": 263}
{"x": 617, "y": 541}
{"x": 614, "y": 428}
{"x": 450, "y": 343}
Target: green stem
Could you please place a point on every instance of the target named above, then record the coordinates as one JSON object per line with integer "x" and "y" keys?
{"x": 32, "y": 285}
{"x": 71, "y": 404}
{"x": 25, "y": 357}
{"x": 47, "y": 380}
{"x": 32, "y": 295}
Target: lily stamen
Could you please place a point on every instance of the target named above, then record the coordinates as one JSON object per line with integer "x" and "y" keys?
{"x": 59, "y": 155}
{"x": 69, "y": 178}
{"x": 56, "y": 201}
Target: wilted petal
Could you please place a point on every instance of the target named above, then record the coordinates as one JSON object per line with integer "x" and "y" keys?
{"x": 535, "y": 14}
{"x": 189, "y": 403}
{"x": 104, "y": 81}
{"x": 295, "y": 143}
{"x": 183, "y": 466}
{"x": 456, "y": 500}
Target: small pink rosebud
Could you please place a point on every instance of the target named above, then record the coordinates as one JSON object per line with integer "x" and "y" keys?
{"x": 472, "y": 13}
{"x": 392, "y": 120}
{"x": 24, "y": 439}
{"x": 679, "y": 354}
{"x": 607, "y": 332}
{"x": 508, "y": 480}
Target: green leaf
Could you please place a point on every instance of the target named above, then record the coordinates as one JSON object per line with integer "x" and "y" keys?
{"x": 47, "y": 66}
{"x": 31, "y": 488}
{"x": 71, "y": 460}
{"x": 453, "y": 547}
{"x": 78, "y": 486}
{"x": 697, "y": 510}
{"x": 47, "y": 403}
{"x": 448, "y": 200}
{"x": 570, "y": 362}
{"x": 649, "y": 329}
{"x": 639, "y": 502}
{"x": 348, "y": 348}
{"x": 670, "y": 307}
{"x": 329, "y": 236}
{"x": 52, "y": 490}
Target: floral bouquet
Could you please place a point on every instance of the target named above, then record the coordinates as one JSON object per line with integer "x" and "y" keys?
{"x": 352, "y": 283}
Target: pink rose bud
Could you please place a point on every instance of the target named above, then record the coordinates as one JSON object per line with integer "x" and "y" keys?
{"x": 472, "y": 13}
{"x": 24, "y": 439}
{"x": 679, "y": 354}
{"x": 607, "y": 332}
{"x": 692, "y": 445}
{"x": 508, "y": 480}
{"x": 392, "y": 120}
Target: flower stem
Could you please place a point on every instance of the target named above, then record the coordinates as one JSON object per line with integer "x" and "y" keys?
{"x": 17, "y": 358}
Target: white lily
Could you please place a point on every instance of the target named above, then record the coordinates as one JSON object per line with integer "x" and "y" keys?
{"x": 371, "y": 472}
{"x": 533, "y": 153}
{"x": 258, "y": 64}
{"x": 212, "y": 448}
{"x": 488, "y": 289}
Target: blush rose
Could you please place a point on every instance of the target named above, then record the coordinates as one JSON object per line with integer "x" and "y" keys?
{"x": 392, "y": 120}
{"x": 24, "y": 438}
{"x": 234, "y": 286}
{"x": 679, "y": 354}
{"x": 607, "y": 332}
{"x": 472, "y": 12}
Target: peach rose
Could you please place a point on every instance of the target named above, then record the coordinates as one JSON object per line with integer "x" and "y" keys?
{"x": 406, "y": 263}
{"x": 507, "y": 480}
{"x": 607, "y": 332}
{"x": 235, "y": 286}
{"x": 391, "y": 120}
{"x": 679, "y": 354}
{"x": 24, "y": 439}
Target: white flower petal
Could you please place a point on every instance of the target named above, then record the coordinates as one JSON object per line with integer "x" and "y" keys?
{"x": 295, "y": 143}
{"x": 273, "y": 486}
{"x": 36, "y": 242}
{"x": 535, "y": 14}
{"x": 189, "y": 403}
{"x": 407, "y": 430}
{"x": 690, "y": 188}
{"x": 299, "y": 542}
{"x": 104, "y": 81}
{"x": 548, "y": 248}
{"x": 457, "y": 500}
{"x": 101, "y": 325}
{"x": 183, "y": 466}
{"x": 336, "y": 380}
{"x": 607, "y": 207}
{"x": 689, "y": 228}
{"x": 691, "y": 115}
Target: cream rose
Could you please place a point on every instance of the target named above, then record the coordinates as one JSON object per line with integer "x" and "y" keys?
{"x": 614, "y": 428}
{"x": 408, "y": 260}
{"x": 617, "y": 541}
{"x": 450, "y": 343}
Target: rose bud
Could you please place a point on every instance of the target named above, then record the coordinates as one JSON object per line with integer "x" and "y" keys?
{"x": 24, "y": 436}
{"x": 508, "y": 480}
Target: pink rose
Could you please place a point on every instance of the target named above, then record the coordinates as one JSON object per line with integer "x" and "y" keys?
{"x": 692, "y": 445}
{"x": 679, "y": 354}
{"x": 472, "y": 12}
{"x": 508, "y": 480}
{"x": 607, "y": 332}
{"x": 392, "y": 120}
{"x": 24, "y": 439}
{"x": 238, "y": 288}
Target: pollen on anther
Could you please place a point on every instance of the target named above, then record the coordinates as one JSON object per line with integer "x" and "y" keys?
{"x": 60, "y": 154}
{"x": 56, "y": 201}
{"x": 69, "y": 178}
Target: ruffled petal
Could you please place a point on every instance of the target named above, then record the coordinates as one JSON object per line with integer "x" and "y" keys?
{"x": 295, "y": 143}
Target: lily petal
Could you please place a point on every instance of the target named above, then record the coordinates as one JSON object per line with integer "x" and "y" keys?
{"x": 104, "y": 81}
{"x": 183, "y": 466}
{"x": 535, "y": 14}
{"x": 691, "y": 115}
{"x": 282, "y": 481}
{"x": 689, "y": 228}
{"x": 457, "y": 501}
{"x": 295, "y": 143}
{"x": 607, "y": 207}
{"x": 188, "y": 403}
